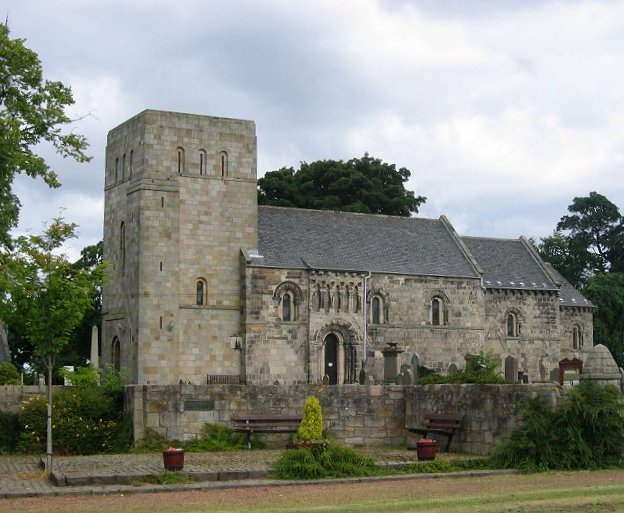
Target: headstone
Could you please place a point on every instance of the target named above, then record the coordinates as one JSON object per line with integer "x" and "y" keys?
{"x": 326, "y": 380}
{"x": 408, "y": 377}
{"x": 399, "y": 379}
{"x": 94, "y": 357}
{"x": 511, "y": 369}
{"x": 452, "y": 369}
{"x": 391, "y": 362}
{"x": 5, "y": 354}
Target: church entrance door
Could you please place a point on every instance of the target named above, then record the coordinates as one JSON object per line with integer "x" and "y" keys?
{"x": 331, "y": 358}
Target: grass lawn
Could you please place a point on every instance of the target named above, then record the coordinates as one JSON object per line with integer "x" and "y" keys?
{"x": 600, "y": 491}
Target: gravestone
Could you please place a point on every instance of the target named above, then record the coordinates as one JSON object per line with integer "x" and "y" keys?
{"x": 5, "y": 354}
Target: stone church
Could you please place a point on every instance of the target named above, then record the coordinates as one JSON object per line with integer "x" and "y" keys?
{"x": 206, "y": 286}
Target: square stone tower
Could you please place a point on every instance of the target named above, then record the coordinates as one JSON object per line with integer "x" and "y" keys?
{"x": 180, "y": 203}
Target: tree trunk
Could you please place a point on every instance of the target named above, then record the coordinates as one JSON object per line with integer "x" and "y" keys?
{"x": 49, "y": 364}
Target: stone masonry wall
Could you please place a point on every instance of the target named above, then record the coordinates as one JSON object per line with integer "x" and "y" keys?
{"x": 184, "y": 189}
{"x": 353, "y": 414}
{"x": 536, "y": 348}
{"x": 13, "y": 396}
{"x": 491, "y": 411}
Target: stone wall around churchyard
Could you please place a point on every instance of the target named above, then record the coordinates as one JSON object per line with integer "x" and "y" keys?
{"x": 372, "y": 415}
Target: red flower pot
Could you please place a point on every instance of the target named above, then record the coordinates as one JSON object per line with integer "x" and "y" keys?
{"x": 173, "y": 459}
{"x": 426, "y": 449}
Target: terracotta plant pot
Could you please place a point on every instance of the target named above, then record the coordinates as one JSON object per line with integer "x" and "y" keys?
{"x": 173, "y": 459}
{"x": 426, "y": 449}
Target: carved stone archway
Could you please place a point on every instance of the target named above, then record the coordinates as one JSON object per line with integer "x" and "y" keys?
{"x": 348, "y": 351}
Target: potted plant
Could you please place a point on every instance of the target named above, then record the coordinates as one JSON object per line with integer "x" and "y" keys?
{"x": 426, "y": 449}
{"x": 173, "y": 458}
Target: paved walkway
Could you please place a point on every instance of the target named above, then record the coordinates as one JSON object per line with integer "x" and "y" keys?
{"x": 23, "y": 476}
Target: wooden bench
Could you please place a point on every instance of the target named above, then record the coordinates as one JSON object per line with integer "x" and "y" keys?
{"x": 265, "y": 424}
{"x": 446, "y": 425}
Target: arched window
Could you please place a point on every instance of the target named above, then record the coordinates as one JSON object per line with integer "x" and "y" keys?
{"x": 287, "y": 297}
{"x": 131, "y": 167}
{"x": 180, "y": 160}
{"x": 123, "y": 167}
{"x": 376, "y": 313}
{"x": 223, "y": 157}
{"x": 200, "y": 292}
{"x": 577, "y": 337}
{"x": 116, "y": 169}
{"x": 438, "y": 309}
{"x": 122, "y": 244}
{"x": 287, "y": 307}
{"x": 116, "y": 354}
{"x": 512, "y": 325}
{"x": 435, "y": 311}
{"x": 202, "y": 162}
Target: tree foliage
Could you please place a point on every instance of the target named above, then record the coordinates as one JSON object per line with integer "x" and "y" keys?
{"x": 587, "y": 241}
{"x": 32, "y": 111}
{"x": 606, "y": 291}
{"x": 45, "y": 296}
{"x": 586, "y": 432}
{"x": 365, "y": 185}
{"x": 77, "y": 351}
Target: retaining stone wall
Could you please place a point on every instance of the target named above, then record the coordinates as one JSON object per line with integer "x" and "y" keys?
{"x": 13, "y": 396}
{"x": 353, "y": 414}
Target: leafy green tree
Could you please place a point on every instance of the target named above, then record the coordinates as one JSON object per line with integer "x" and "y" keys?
{"x": 46, "y": 296}
{"x": 32, "y": 111}
{"x": 606, "y": 291}
{"x": 570, "y": 263}
{"x": 365, "y": 185}
{"x": 78, "y": 349}
{"x": 595, "y": 234}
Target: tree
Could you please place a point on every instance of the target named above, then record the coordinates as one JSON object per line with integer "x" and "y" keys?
{"x": 557, "y": 251}
{"x": 595, "y": 232}
{"x": 606, "y": 291}
{"x": 78, "y": 350}
{"x": 365, "y": 185}
{"x": 46, "y": 296}
{"x": 32, "y": 111}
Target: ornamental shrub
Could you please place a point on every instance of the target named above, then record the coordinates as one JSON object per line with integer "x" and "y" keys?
{"x": 215, "y": 437}
{"x": 311, "y": 427}
{"x": 9, "y": 375}
{"x": 586, "y": 432}
{"x": 332, "y": 461}
{"x": 85, "y": 420}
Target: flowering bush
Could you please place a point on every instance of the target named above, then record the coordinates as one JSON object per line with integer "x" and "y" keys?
{"x": 86, "y": 420}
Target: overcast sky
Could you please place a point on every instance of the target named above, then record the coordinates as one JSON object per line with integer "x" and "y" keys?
{"x": 503, "y": 110}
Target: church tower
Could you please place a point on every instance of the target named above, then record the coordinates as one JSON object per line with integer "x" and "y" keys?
{"x": 180, "y": 203}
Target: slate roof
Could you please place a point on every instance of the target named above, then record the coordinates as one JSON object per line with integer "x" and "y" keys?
{"x": 298, "y": 238}
{"x": 295, "y": 238}
{"x": 509, "y": 264}
{"x": 569, "y": 296}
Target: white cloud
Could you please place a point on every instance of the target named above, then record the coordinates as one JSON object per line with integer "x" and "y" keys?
{"x": 503, "y": 111}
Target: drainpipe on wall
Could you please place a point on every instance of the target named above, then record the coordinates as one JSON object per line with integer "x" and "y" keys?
{"x": 365, "y": 312}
